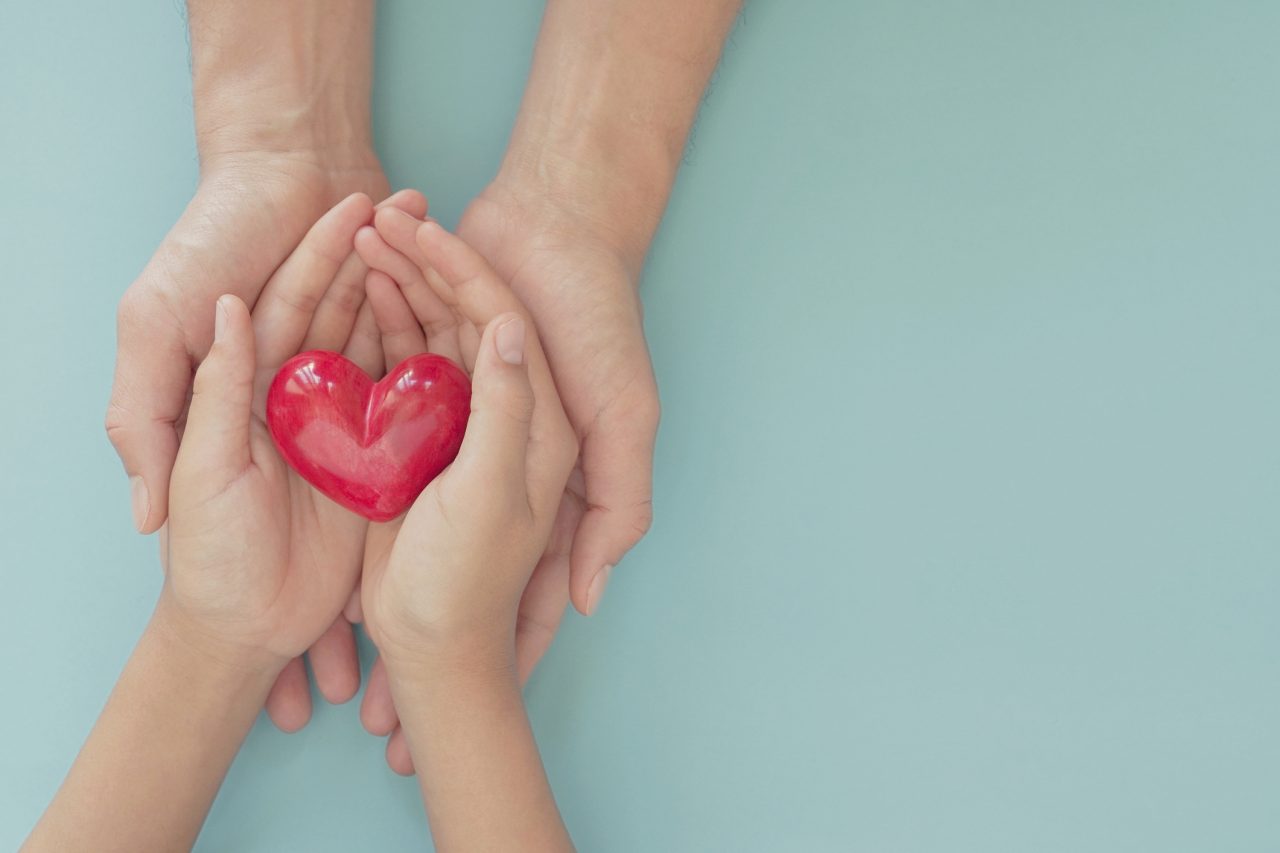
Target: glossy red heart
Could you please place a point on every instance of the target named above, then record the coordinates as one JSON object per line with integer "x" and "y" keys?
{"x": 370, "y": 446}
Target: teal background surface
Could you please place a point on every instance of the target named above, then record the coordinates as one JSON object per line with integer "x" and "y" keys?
{"x": 965, "y": 320}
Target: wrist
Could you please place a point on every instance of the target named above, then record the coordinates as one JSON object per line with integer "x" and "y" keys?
{"x": 208, "y": 653}
{"x": 283, "y": 78}
{"x": 414, "y": 654}
{"x": 594, "y": 180}
{"x": 278, "y": 124}
{"x": 442, "y": 672}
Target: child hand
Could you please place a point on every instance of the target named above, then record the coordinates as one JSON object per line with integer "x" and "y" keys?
{"x": 442, "y": 585}
{"x": 258, "y": 563}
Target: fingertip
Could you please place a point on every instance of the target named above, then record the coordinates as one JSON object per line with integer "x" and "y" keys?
{"x": 289, "y": 702}
{"x": 149, "y": 490}
{"x": 398, "y": 757}
{"x": 429, "y": 234}
{"x": 409, "y": 200}
{"x": 368, "y": 244}
{"x": 509, "y": 337}
{"x": 603, "y": 538}
{"x": 358, "y": 203}
{"x": 353, "y": 611}
{"x": 336, "y": 664}
{"x": 377, "y": 710}
{"x": 230, "y": 318}
{"x": 389, "y": 217}
{"x": 290, "y": 719}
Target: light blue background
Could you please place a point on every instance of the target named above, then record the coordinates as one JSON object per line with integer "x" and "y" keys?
{"x": 965, "y": 318}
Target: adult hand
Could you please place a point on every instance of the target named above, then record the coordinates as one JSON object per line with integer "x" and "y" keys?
{"x": 249, "y": 213}
{"x": 280, "y": 93}
{"x": 580, "y": 286}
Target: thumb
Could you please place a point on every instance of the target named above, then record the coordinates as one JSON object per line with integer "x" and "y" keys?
{"x": 617, "y": 466}
{"x": 218, "y": 421}
{"x": 494, "y": 447}
{"x": 149, "y": 394}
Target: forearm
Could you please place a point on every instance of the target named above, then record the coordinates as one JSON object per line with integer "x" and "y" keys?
{"x": 613, "y": 92}
{"x": 282, "y": 77}
{"x": 153, "y": 763}
{"x": 478, "y": 765}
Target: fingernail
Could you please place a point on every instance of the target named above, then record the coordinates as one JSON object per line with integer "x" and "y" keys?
{"x": 595, "y": 592}
{"x": 141, "y": 501}
{"x": 219, "y": 319}
{"x": 510, "y": 341}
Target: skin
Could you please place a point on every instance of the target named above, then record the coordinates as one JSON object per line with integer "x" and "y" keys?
{"x": 239, "y": 603}
{"x": 612, "y": 94}
{"x": 446, "y": 627}
{"x": 282, "y": 112}
{"x": 281, "y": 93}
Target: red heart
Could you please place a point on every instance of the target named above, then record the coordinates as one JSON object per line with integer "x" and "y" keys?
{"x": 370, "y": 446}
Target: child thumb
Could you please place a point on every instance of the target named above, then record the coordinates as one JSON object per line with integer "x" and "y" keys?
{"x": 497, "y": 436}
{"x": 219, "y": 417}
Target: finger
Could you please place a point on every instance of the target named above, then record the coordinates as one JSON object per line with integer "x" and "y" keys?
{"x": 617, "y": 463}
{"x": 289, "y": 301}
{"x": 335, "y": 664}
{"x": 398, "y": 757}
{"x": 365, "y": 346}
{"x": 481, "y": 295}
{"x": 377, "y": 710}
{"x": 289, "y": 702}
{"x": 544, "y": 600}
{"x": 400, "y": 232}
{"x": 335, "y": 317}
{"x": 438, "y": 320}
{"x": 410, "y": 201}
{"x": 217, "y": 429}
{"x": 353, "y": 610}
{"x": 471, "y": 284}
{"x": 493, "y": 449}
{"x": 431, "y": 302}
{"x": 401, "y": 333}
{"x": 381, "y": 255}
{"x": 148, "y": 396}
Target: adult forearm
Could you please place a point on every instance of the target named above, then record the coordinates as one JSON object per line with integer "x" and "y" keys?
{"x": 283, "y": 76}
{"x": 613, "y": 92}
{"x": 154, "y": 761}
{"x": 478, "y": 765}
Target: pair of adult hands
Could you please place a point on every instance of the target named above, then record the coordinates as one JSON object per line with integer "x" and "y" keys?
{"x": 249, "y": 213}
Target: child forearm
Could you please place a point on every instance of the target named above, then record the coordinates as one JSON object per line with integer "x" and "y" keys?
{"x": 154, "y": 761}
{"x": 478, "y": 766}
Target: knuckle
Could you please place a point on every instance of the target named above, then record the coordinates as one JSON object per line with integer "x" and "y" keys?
{"x": 510, "y": 397}
{"x": 131, "y": 308}
{"x": 648, "y": 411}
{"x": 641, "y": 520}
{"x": 116, "y": 423}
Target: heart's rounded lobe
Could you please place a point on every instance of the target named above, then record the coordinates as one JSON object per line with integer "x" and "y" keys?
{"x": 370, "y": 446}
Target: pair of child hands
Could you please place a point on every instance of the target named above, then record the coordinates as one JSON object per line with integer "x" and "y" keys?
{"x": 259, "y": 565}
